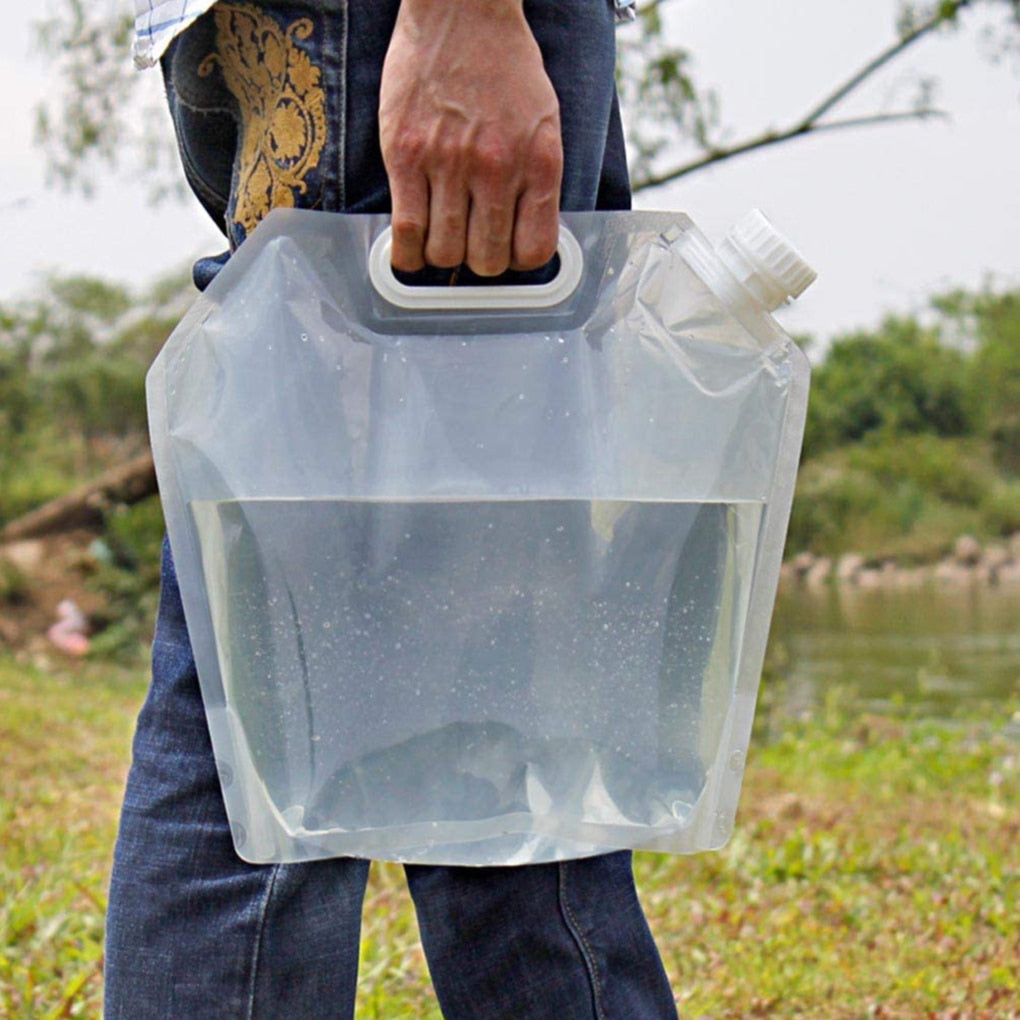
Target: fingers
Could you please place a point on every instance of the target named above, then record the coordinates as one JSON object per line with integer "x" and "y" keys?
{"x": 445, "y": 244}
{"x": 536, "y": 226}
{"x": 536, "y": 232}
{"x": 410, "y": 194}
{"x": 436, "y": 222}
{"x": 469, "y": 131}
{"x": 493, "y": 201}
{"x": 514, "y": 216}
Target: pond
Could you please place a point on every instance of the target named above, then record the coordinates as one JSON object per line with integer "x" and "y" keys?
{"x": 929, "y": 650}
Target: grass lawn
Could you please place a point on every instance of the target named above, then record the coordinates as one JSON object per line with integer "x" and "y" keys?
{"x": 874, "y": 871}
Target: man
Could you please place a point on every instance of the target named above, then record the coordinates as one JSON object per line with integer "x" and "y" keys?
{"x": 474, "y": 122}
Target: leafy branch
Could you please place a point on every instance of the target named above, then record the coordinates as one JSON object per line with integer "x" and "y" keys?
{"x": 101, "y": 117}
{"x": 913, "y": 26}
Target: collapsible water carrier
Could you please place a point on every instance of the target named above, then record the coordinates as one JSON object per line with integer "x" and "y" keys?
{"x": 482, "y": 575}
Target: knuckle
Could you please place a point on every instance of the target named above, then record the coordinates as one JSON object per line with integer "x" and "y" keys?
{"x": 407, "y": 150}
{"x": 546, "y": 162}
{"x": 450, "y": 152}
{"x": 492, "y": 160}
{"x": 446, "y": 240}
{"x": 498, "y": 219}
{"x": 534, "y": 252}
{"x": 448, "y": 223}
{"x": 547, "y": 144}
{"x": 407, "y": 230}
{"x": 444, "y": 254}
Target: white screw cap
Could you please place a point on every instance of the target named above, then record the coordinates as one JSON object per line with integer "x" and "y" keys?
{"x": 764, "y": 261}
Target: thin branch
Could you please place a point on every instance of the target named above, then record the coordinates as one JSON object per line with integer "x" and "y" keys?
{"x": 879, "y": 61}
{"x": 870, "y": 119}
{"x": 643, "y": 9}
{"x": 769, "y": 138}
{"x": 811, "y": 121}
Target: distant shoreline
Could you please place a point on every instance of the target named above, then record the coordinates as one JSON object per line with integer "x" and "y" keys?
{"x": 969, "y": 563}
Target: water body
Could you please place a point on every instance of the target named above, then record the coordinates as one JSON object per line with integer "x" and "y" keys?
{"x": 931, "y": 650}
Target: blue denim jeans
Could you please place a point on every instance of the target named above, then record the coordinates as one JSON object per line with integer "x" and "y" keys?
{"x": 275, "y": 104}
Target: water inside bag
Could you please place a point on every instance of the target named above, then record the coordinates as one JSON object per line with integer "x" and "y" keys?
{"x": 571, "y": 661}
{"x": 475, "y": 576}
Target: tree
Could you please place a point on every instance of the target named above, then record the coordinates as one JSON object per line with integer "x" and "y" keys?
{"x": 72, "y": 385}
{"x": 899, "y": 380}
{"x": 660, "y": 94}
{"x": 989, "y": 324}
{"x": 90, "y": 125}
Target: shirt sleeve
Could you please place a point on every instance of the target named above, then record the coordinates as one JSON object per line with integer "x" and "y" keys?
{"x": 157, "y": 22}
{"x": 626, "y": 10}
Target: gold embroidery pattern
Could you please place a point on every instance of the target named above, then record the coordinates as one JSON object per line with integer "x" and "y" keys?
{"x": 281, "y": 104}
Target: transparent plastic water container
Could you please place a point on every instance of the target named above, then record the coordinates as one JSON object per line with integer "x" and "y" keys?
{"x": 481, "y": 575}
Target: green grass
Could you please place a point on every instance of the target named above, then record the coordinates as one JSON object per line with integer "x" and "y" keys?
{"x": 63, "y": 748}
{"x": 874, "y": 870}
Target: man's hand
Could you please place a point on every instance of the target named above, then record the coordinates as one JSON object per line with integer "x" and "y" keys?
{"x": 470, "y": 133}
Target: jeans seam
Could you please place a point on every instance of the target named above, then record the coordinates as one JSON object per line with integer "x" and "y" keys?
{"x": 257, "y": 946}
{"x": 341, "y": 142}
{"x": 584, "y": 947}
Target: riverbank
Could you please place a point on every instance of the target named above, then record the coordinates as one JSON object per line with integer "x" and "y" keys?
{"x": 969, "y": 563}
{"x": 873, "y": 870}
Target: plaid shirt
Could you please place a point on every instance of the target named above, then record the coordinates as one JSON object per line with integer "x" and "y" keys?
{"x": 158, "y": 21}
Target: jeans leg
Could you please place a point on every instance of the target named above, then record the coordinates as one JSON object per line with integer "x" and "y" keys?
{"x": 565, "y": 941}
{"x": 192, "y": 930}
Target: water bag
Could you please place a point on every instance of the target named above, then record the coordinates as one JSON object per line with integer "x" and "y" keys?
{"x": 482, "y": 575}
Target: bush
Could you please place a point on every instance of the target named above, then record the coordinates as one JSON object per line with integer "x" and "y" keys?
{"x": 899, "y": 381}
{"x": 101, "y": 395}
{"x": 13, "y": 584}
{"x": 128, "y": 578}
{"x": 828, "y": 496}
{"x": 1002, "y": 509}
{"x": 957, "y": 471}
{"x": 907, "y": 499}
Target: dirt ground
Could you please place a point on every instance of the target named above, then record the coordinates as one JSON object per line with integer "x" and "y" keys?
{"x": 35, "y": 576}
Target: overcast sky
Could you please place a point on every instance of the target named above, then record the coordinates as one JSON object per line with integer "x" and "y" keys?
{"x": 887, "y": 215}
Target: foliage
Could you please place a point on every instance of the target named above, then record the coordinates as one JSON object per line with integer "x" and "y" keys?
{"x": 990, "y": 324}
{"x": 659, "y": 93}
{"x": 18, "y": 401}
{"x": 72, "y": 376}
{"x": 853, "y": 500}
{"x": 100, "y": 120}
{"x": 72, "y": 404}
{"x": 14, "y": 585}
{"x": 900, "y": 380}
{"x": 908, "y": 498}
{"x": 913, "y": 434}
{"x": 873, "y": 870}
{"x": 127, "y": 575}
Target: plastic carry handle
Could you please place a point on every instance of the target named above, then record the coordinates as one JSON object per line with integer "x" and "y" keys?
{"x": 480, "y": 298}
